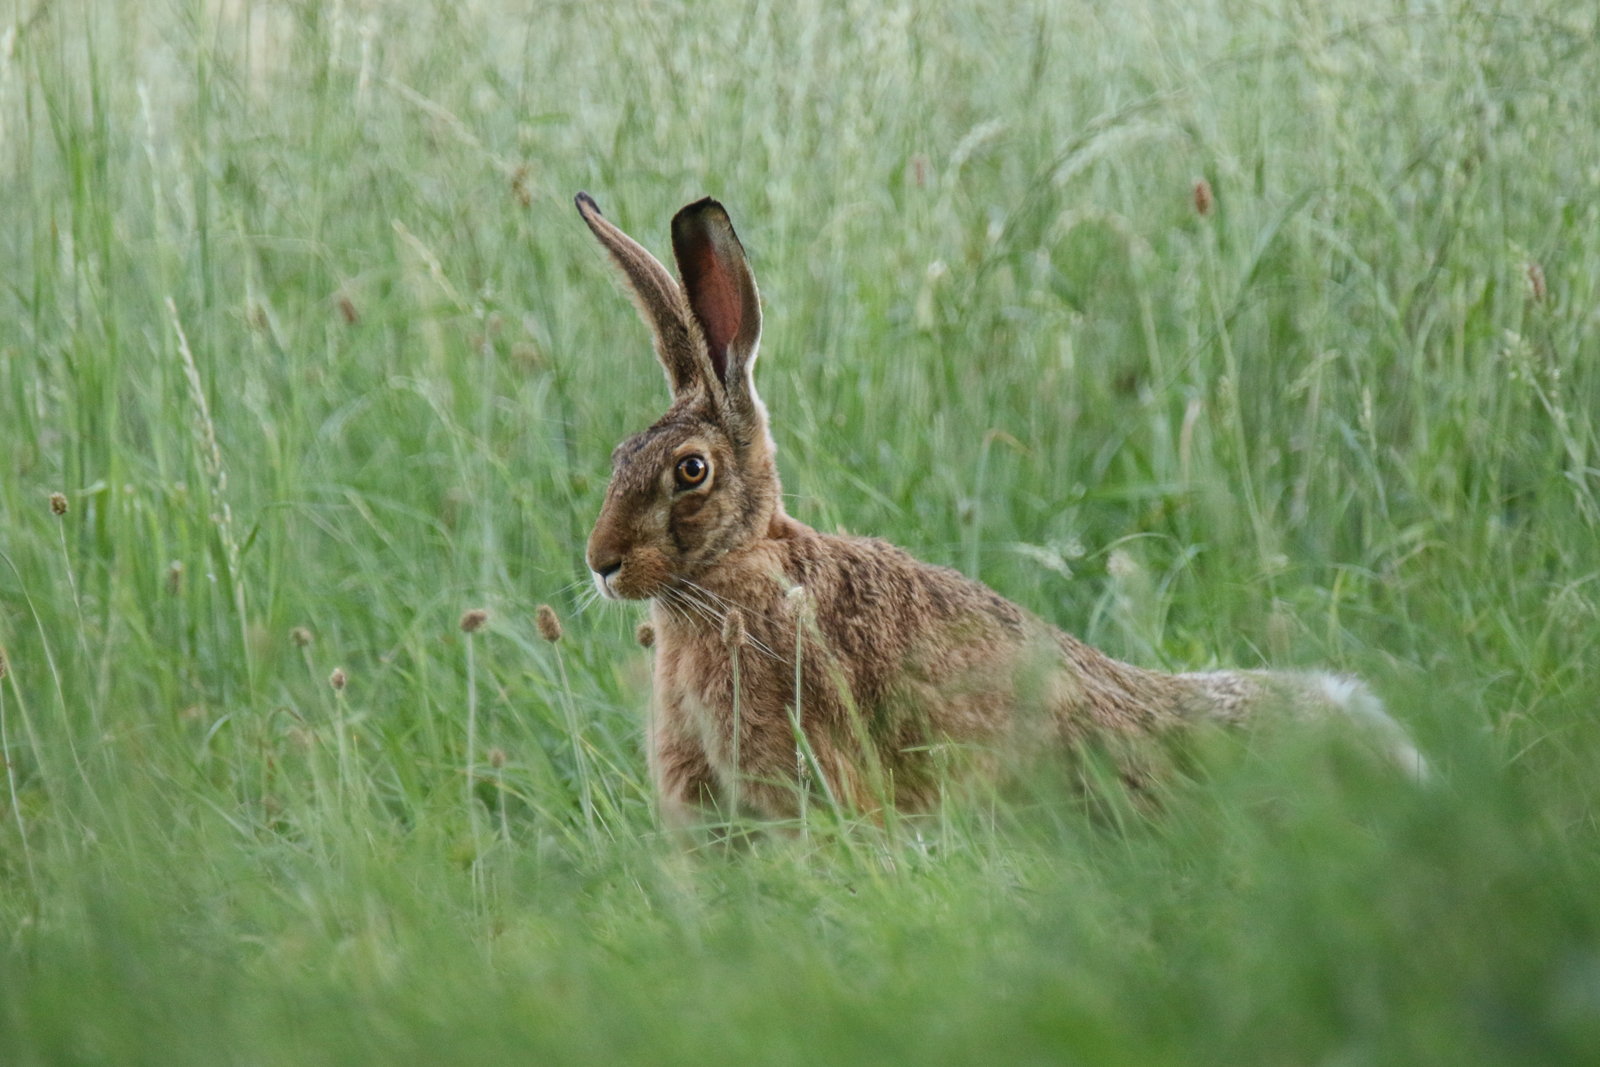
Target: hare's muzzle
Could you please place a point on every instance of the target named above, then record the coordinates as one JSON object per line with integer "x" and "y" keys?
{"x": 626, "y": 570}
{"x": 608, "y": 550}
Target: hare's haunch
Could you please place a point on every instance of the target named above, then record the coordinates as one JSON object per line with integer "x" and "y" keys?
{"x": 906, "y": 672}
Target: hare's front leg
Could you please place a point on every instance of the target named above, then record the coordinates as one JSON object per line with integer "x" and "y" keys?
{"x": 685, "y": 784}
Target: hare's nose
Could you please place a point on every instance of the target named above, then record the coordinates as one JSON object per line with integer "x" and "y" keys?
{"x": 604, "y": 555}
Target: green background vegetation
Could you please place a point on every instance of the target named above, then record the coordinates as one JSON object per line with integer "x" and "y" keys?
{"x": 1347, "y": 417}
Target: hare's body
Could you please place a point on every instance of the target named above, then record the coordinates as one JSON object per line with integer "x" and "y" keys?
{"x": 905, "y": 670}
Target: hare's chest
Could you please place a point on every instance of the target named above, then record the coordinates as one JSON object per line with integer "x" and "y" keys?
{"x": 694, "y": 690}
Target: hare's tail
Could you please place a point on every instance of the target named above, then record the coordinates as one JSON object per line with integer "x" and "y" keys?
{"x": 1234, "y": 696}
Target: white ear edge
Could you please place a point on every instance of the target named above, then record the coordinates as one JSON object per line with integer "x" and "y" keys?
{"x": 758, "y": 405}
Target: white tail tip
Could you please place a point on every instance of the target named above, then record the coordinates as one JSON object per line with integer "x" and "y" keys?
{"x": 1351, "y": 696}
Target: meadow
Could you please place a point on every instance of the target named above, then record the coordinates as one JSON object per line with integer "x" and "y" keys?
{"x": 1218, "y": 333}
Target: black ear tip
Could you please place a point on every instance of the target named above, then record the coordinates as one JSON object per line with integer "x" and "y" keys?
{"x": 586, "y": 204}
{"x": 699, "y": 214}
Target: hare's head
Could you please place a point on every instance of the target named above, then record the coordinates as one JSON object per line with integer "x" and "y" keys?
{"x": 701, "y": 482}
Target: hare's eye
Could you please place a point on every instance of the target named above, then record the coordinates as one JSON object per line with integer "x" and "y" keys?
{"x": 692, "y": 470}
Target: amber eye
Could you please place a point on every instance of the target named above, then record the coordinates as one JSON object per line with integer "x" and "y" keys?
{"x": 692, "y": 470}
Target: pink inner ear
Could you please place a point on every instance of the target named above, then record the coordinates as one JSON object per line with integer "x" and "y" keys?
{"x": 714, "y": 298}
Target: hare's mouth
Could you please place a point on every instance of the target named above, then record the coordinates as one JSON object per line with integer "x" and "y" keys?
{"x": 602, "y": 582}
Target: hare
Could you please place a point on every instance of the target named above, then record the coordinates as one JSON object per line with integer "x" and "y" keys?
{"x": 782, "y": 653}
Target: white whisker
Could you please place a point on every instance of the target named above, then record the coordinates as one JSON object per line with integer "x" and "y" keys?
{"x": 722, "y": 614}
{"x": 666, "y": 601}
{"x": 748, "y": 611}
{"x": 705, "y": 610}
{"x": 694, "y": 607}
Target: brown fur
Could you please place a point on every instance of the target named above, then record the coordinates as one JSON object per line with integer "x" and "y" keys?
{"x": 906, "y": 669}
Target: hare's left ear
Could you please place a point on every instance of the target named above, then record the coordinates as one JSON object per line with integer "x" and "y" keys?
{"x": 724, "y": 304}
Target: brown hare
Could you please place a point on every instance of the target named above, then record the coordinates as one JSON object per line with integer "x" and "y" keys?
{"x": 905, "y": 670}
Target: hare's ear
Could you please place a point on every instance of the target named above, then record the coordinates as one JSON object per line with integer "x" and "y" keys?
{"x": 723, "y": 300}
{"x": 658, "y": 298}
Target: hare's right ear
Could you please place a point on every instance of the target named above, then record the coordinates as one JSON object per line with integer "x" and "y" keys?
{"x": 658, "y": 298}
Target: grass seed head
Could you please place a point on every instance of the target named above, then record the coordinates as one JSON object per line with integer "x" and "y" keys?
{"x": 1536, "y": 281}
{"x": 549, "y": 624}
{"x": 645, "y": 635}
{"x": 338, "y": 679}
{"x": 919, "y": 170}
{"x": 497, "y": 758}
{"x": 300, "y": 636}
{"x": 801, "y": 602}
{"x": 733, "y": 633}
{"x": 1280, "y": 632}
{"x": 5, "y": 664}
{"x": 1202, "y": 197}
{"x": 473, "y": 620}
{"x": 527, "y": 356}
{"x": 58, "y": 504}
{"x": 1121, "y": 565}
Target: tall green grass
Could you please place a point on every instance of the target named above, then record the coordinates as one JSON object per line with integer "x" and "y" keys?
{"x": 297, "y": 315}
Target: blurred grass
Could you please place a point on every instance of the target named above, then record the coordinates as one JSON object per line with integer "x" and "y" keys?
{"x": 1347, "y": 417}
